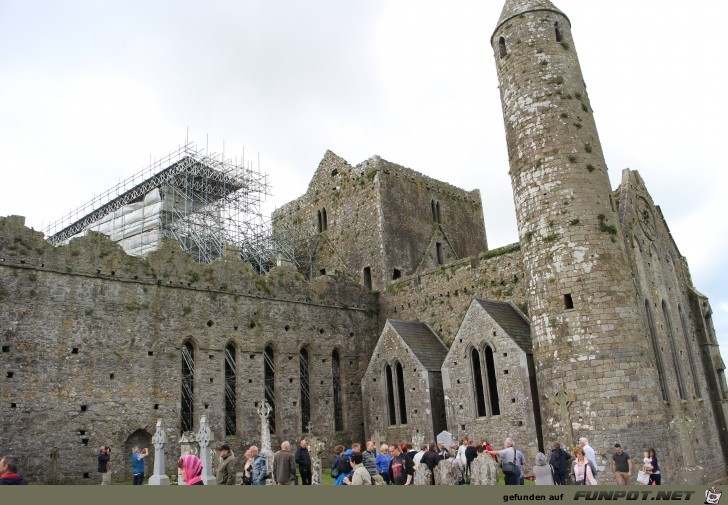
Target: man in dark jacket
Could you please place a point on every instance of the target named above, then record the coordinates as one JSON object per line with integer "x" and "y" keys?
{"x": 225, "y": 473}
{"x": 104, "y": 457}
{"x": 431, "y": 458}
{"x": 401, "y": 467}
{"x": 558, "y": 462}
{"x": 9, "y": 472}
{"x": 303, "y": 461}
{"x": 284, "y": 466}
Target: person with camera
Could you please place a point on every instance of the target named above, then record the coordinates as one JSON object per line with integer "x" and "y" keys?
{"x": 137, "y": 464}
{"x": 104, "y": 467}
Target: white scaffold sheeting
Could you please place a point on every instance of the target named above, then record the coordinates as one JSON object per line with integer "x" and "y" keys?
{"x": 136, "y": 226}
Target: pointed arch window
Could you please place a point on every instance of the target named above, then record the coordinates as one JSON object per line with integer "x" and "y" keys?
{"x": 658, "y": 353}
{"x": 269, "y": 377}
{"x": 188, "y": 387}
{"x": 493, "y": 399}
{"x": 336, "y": 372}
{"x": 390, "y": 395}
{"x": 230, "y": 397}
{"x": 673, "y": 347}
{"x": 305, "y": 398}
{"x": 478, "y": 383}
{"x": 400, "y": 395}
{"x": 691, "y": 357}
{"x": 502, "y": 47}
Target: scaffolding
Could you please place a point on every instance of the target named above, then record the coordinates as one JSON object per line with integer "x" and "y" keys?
{"x": 202, "y": 200}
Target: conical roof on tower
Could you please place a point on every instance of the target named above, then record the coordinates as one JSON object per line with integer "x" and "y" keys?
{"x": 513, "y": 8}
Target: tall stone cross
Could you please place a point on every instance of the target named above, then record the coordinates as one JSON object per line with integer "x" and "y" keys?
{"x": 564, "y": 400}
{"x": 315, "y": 447}
{"x": 204, "y": 437}
{"x": 159, "y": 440}
{"x": 264, "y": 411}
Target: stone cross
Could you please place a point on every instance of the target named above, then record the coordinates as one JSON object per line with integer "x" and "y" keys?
{"x": 564, "y": 400}
{"x": 264, "y": 411}
{"x": 682, "y": 424}
{"x": 315, "y": 448}
{"x": 159, "y": 440}
{"x": 204, "y": 437}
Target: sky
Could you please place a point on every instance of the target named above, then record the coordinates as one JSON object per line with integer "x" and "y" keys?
{"x": 91, "y": 91}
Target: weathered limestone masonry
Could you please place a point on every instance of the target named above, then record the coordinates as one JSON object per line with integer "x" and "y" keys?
{"x": 679, "y": 324}
{"x": 384, "y": 217}
{"x": 91, "y": 348}
{"x": 441, "y": 296}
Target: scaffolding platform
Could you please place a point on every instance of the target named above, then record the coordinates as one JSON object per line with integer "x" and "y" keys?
{"x": 202, "y": 200}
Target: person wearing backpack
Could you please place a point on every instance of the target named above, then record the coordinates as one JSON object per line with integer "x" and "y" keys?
{"x": 558, "y": 461}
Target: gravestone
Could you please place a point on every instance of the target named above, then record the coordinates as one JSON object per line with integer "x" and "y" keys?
{"x": 187, "y": 445}
{"x": 446, "y": 438}
{"x": 160, "y": 441}
{"x": 483, "y": 471}
{"x": 315, "y": 447}
{"x": 446, "y": 474}
{"x": 204, "y": 438}
{"x": 423, "y": 475}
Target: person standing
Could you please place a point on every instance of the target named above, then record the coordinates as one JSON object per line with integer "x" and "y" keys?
{"x": 225, "y": 473}
{"x": 190, "y": 470}
{"x": 543, "y": 472}
{"x": 9, "y": 472}
{"x": 104, "y": 467}
{"x": 259, "y": 472}
{"x": 431, "y": 459}
{"x": 559, "y": 458}
{"x": 581, "y": 470}
{"x": 508, "y": 456}
{"x": 284, "y": 466}
{"x": 303, "y": 460}
{"x": 383, "y": 463}
{"x": 370, "y": 458}
{"x": 401, "y": 468}
{"x": 590, "y": 455}
{"x": 621, "y": 465}
{"x": 655, "y": 475}
{"x": 360, "y": 476}
{"x": 137, "y": 464}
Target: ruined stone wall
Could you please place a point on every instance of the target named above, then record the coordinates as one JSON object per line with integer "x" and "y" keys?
{"x": 91, "y": 348}
{"x": 379, "y": 215}
{"x": 389, "y": 350}
{"x": 515, "y": 402}
{"x": 441, "y": 296}
{"x": 663, "y": 277}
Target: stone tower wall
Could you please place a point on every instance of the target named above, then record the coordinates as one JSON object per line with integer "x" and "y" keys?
{"x": 570, "y": 240}
{"x": 91, "y": 348}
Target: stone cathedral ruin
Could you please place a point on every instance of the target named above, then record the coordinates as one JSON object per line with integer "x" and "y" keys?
{"x": 373, "y": 308}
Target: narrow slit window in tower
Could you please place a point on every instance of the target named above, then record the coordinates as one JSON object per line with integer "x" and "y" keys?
{"x": 396, "y": 274}
{"x": 324, "y": 220}
{"x": 434, "y": 212}
{"x": 502, "y": 47}
{"x": 437, "y": 212}
{"x": 438, "y": 249}
{"x": 568, "y": 302}
{"x": 559, "y": 32}
{"x": 320, "y": 223}
{"x": 368, "y": 277}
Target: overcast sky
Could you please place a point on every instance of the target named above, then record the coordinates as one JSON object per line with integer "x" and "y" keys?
{"x": 89, "y": 90}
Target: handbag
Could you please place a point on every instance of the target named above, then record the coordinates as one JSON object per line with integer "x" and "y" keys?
{"x": 643, "y": 477}
{"x": 509, "y": 468}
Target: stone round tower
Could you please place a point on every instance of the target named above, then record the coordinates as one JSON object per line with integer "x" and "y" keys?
{"x": 589, "y": 339}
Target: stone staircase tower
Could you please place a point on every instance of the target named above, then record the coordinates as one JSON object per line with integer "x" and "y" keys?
{"x": 587, "y": 328}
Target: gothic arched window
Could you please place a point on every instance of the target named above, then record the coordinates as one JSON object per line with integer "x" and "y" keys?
{"x": 492, "y": 384}
{"x": 477, "y": 383}
{"x": 658, "y": 353}
{"x": 336, "y": 372}
{"x": 305, "y": 398}
{"x": 230, "y": 397}
{"x": 673, "y": 347}
{"x": 269, "y": 376}
{"x": 400, "y": 395}
{"x": 188, "y": 386}
{"x": 691, "y": 357}
{"x": 392, "y": 414}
